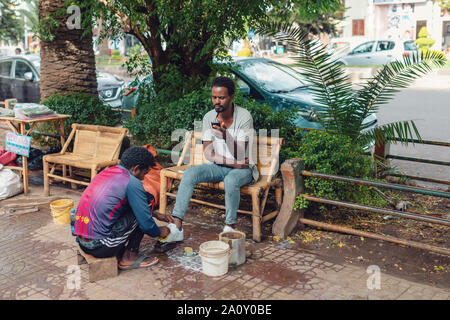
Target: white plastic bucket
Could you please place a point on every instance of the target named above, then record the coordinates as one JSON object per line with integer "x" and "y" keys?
{"x": 215, "y": 256}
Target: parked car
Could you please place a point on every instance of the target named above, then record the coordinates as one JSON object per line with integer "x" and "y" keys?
{"x": 379, "y": 52}
{"x": 340, "y": 46}
{"x": 20, "y": 75}
{"x": 268, "y": 82}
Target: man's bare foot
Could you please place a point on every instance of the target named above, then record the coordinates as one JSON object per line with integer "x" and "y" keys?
{"x": 129, "y": 258}
{"x": 178, "y": 222}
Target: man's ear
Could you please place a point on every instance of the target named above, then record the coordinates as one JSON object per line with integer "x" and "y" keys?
{"x": 134, "y": 168}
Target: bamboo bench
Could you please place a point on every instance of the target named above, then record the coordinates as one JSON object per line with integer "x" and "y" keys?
{"x": 94, "y": 148}
{"x": 266, "y": 152}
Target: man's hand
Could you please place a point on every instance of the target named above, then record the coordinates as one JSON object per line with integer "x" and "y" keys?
{"x": 164, "y": 232}
{"x": 163, "y": 217}
{"x": 219, "y": 132}
{"x": 241, "y": 165}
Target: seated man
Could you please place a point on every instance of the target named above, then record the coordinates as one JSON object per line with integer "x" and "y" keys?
{"x": 226, "y": 132}
{"x": 113, "y": 213}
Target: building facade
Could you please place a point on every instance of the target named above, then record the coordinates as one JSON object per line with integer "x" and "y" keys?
{"x": 396, "y": 19}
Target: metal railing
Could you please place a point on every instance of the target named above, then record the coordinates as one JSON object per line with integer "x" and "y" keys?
{"x": 381, "y": 153}
{"x": 403, "y": 214}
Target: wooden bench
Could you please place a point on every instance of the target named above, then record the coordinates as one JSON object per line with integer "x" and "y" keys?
{"x": 266, "y": 151}
{"x": 99, "y": 268}
{"x": 94, "y": 148}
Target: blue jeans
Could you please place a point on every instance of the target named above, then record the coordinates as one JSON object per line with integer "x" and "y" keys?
{"x": 233, "y": 179}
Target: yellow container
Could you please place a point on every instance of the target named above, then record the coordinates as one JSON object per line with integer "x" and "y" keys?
{"x": 61, "y": 210}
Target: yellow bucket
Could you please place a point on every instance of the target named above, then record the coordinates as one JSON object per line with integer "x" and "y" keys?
{"x": 61, "y": 210}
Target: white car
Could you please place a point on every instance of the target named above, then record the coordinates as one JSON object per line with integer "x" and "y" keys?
{"x": 379, "y": 52}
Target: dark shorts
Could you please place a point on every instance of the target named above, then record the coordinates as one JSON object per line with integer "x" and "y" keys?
{"x": 125, "y": 230}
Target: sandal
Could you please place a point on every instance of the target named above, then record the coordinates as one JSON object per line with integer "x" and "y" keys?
{"x": 137, "y": 263}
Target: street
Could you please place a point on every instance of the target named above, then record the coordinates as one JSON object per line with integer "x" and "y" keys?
{"x": 427, "y": 102}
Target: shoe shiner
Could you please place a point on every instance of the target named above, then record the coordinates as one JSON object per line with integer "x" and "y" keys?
{"x": 114, "y": 213}
{"x": 225, "y": 137}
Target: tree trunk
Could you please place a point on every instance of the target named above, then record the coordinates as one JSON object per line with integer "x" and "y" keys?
{"x": 68, "y": 61}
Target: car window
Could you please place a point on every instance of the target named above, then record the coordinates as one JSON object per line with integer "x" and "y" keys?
{"x": 409, "y": 45}
{"x": 271, "y": 77}
{"x": 363, "y": 48}
{"x": 385, "y": 45}
{"x": 241, "y": 83}
{"x": 21, "y": 69}
{"x": 5, "y": 68}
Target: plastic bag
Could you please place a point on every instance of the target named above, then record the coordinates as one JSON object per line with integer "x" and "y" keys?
{"x": 10, "y": 183}
{"x": 152, "y": 180}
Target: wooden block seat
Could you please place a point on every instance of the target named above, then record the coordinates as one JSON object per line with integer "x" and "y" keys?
{"x": 267, "y": 161}
{"x": 99, "y": 268}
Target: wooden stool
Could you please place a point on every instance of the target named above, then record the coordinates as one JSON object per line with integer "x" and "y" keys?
{"x": 99, "y": 268}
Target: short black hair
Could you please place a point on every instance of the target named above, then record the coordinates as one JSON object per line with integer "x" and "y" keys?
{"x": 137, "y": 156}
{"x": 224, "y": 82}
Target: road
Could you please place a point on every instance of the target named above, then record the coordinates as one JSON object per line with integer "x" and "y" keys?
{"x": 427, "y": 102}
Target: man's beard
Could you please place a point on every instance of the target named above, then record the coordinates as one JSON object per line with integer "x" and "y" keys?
{"x": 219, "y": 108}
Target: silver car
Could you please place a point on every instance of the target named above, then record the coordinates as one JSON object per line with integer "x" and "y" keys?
{"x": 379, "y": 52}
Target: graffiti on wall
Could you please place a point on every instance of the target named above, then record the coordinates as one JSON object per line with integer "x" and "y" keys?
{"x": 401, "y": 21}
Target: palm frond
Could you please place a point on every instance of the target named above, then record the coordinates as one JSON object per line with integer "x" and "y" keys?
{"x": 342, "y": 109}
{"x": 394, "y": 76}
{"x": 328, "y": 83}
{"x": 391, "y": 132}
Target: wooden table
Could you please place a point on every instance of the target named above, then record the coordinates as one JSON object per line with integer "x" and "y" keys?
{"x": 19, "y": 126}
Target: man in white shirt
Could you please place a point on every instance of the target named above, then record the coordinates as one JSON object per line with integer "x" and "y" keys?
{"x": 227, "y": 131}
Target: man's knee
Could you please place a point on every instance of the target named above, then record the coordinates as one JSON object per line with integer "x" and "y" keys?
{"x": 231, "y": 184}
{"x": 190, "y": 176}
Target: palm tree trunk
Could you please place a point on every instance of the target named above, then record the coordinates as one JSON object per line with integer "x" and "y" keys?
{"x": 68, "y": 61}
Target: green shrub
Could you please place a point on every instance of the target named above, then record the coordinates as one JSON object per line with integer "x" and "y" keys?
{"x": 156, "y": 120}
{"x": 423, "y": 41}
{"x": 264, "y": 117}
{"x": 335, "y": 154}
{"x": 83, "y": 108}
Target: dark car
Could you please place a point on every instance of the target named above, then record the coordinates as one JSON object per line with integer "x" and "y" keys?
{"x": 20, "y": 75}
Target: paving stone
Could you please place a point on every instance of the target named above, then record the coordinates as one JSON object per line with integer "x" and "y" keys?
{"x": 38, "y": 296}
{"x": 441, "y": 296}
{"x": 17, "y": 292}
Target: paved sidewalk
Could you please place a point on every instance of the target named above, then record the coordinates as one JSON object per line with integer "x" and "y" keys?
{"x": 36, "y": 257}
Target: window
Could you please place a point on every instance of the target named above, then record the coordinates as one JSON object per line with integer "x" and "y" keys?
{"x": 419, "y": 25}
{"x": 385, "y": 45}
{"x": 358, "y": 27}
{"x": 272, "y": 77}
{"x": 21, "y": 69}
{"x": 409, "y": 45}
{"x": 5, "y": 68}
{"x": 364, "y": 48}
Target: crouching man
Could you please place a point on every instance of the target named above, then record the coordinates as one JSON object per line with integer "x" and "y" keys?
{"x": 115, "y": 212}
